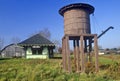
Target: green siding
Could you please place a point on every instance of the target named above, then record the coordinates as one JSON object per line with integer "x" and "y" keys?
{"x": 37, "y": 56}
{"x": 45, "y": 51}
{"x": 44, "y": 54}
{"x": 29, "y": 51}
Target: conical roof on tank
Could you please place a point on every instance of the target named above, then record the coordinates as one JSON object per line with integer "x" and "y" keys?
{"x": 77, "y": 5}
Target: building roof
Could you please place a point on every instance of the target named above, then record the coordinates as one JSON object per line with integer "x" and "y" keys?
{"x": 36, "y": 40}
{"x": 85, "y": 6}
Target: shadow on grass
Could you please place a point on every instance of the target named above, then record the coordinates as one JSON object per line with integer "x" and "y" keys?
{"x": 5, "y": 58}
{"x": 56, "y": 58}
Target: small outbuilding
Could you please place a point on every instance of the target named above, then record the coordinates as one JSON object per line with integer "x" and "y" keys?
{"x": 37, "y": 46}
{"x": 12, "y": 50}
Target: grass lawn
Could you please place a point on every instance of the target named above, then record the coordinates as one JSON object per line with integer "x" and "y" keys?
{"x": 51, "y": 70}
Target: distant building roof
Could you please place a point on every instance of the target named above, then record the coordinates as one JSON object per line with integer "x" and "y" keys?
{"x": 36, "y": 40}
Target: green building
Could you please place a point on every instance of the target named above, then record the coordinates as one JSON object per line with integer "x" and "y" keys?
{"x": 38, "y": 46}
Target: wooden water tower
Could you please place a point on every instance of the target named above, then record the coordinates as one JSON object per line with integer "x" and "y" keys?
{"x": 77, "y": 28}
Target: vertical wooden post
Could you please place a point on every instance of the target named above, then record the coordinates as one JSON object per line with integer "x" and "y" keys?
{"x": 85, "y": 50}
{"x": 68, "y": 54}
{"x": 90, "y": 44}
{"x": 74, "y": 45}
{"x": 90, "y": 49}
{"x": 64, "y": 54}
{"x": 85, "y": 43}
{"x": 96, "y": 53}
{"x": 82, "y": 53}
{"x": 78, "y": 56}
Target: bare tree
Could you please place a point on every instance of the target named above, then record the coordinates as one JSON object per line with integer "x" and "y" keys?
{"x": 44, "y": 32}
{"x": 60, "y": 50}
{"x": 15, "y": 40}
{"x": 100, "y": 47}
{"x": 57, "y": 45}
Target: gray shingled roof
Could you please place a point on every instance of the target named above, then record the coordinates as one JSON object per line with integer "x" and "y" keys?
{"x": 36, "y": 40}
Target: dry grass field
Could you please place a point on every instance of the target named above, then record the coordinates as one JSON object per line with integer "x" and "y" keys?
{"x": 51, "y": 70}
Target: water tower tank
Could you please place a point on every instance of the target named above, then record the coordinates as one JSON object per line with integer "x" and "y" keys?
{"x": 77, "y": 18}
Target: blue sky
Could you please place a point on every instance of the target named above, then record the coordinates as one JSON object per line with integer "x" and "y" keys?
{"x": 20, "y": 18}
